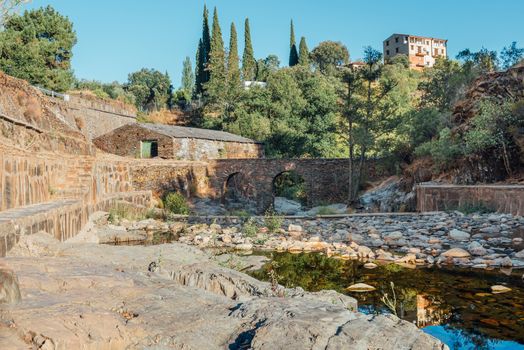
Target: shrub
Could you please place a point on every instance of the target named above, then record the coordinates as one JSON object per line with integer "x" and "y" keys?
{"x": 250, "y": 228}
{"x": 242, "y": 213}
{"x": 442, "y": 150}
{"x": 472, "y": 208}
{"x": 273, "y": 221}
{"x": 176, "y": 203}
{"x": 326, "y": 211}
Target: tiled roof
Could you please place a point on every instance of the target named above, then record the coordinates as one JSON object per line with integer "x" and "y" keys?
{"x": 194, "y": 133}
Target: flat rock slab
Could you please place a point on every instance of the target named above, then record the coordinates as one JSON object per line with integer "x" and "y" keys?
{"x": 99, "y": 296}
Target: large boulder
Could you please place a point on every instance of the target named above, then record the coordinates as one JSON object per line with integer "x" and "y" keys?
{"x": 286, "y": 206}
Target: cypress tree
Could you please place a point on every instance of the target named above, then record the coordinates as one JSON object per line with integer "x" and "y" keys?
{"x": 216, "y": 68}
{"x": 293, "y": 54}
{"x": 233, "y": 70}
{"x": 248, "y": 58}
{"x": 187, "y": 78}
{"x": 202, "y": 56}
{"x": 303, "y": 58}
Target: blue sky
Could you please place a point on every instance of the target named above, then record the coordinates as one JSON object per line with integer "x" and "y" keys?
{"x": 116, "y": 37}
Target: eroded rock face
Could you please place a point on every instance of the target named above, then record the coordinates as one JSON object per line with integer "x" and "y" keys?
{"x": 103, "y": 297}
{"x": 9, "y": 290}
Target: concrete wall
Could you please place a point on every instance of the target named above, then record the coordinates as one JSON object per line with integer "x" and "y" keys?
{"x": 125, "y": 142}
{"x": 504, "y": 199}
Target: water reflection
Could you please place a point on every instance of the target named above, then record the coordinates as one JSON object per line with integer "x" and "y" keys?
{"x": 455, "y": 305}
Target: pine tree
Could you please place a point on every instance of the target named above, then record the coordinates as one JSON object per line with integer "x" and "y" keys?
{"x": 187, "y": 77}
{"x": 248, "y": 58}
{"x": 202, "y": 56}
{"x": 293, "y": 54}
{"x": 215, "y": 87}
{"x": 233, "y": 70}
{"x": 303, "y": 58}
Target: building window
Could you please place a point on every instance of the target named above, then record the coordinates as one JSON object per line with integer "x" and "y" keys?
{"x": 419, "y": 48}
{"x": 412, "y": 47}
{"x": 387, "y": 52}
{"x": 387, "y": 42}
{"x": 396, "y": 39}
{"x": 427, "y": 42}
{"x": 396, "y": 49}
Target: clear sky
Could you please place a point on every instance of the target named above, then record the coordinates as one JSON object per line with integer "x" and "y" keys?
{"x": 116, "y": 37}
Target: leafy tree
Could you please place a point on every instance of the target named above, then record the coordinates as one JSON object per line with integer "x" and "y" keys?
{"x": 233, "y": 70}
{"x": 150, "y": 88}
{"x": 188, "y": 78}
{"x": 267, "y": 66}
{"x": 303, "y": 58}
{"x": 328, "y": 55}
{"x": 293, "y": 53}
{"x": 295, "y": 115}
{"x": 113, "y": 90}
{"x": 248, "y": 58}
{"x": 443, "y": 84}
{"x": 37, "y": 47}
{"x": 365, "y": 113}
{"x": 511, "y": 55}
{"x": 215, "y": 87}
{"x": 202, "y": 56}
{"x": 483, "y": 60}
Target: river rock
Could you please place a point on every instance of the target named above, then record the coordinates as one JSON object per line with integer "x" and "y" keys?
{"x": 370, "y": 265}
{"x": 520, "y": 255}
{"x": 295, "y": 228}
{"x": 393, "y": 236}
{"x": 497, "y": 289}
{"x": 475, "y": 248}
{"x": 360, "y": 287}
{"x": 456, "y": 253}
{"x": 458, "y": 235}
{"x": 286, "y": 206}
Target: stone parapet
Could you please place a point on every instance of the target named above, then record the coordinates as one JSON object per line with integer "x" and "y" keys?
{"x": 501, "y": 198}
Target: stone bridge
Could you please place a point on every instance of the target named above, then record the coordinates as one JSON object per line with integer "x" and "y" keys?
{"x": 325, "y": 180}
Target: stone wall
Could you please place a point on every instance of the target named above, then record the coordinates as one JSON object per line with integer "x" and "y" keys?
{"x": 125, "y": 142}
{"x": 93, "y": 116}
{"x": 62, "y": 219}
{"x": 502, "y": 198}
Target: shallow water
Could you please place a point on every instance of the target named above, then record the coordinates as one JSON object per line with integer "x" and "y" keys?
{"x": 452, "y": 304}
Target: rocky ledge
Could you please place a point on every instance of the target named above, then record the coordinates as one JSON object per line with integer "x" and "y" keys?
{"x": 173, "y": 296}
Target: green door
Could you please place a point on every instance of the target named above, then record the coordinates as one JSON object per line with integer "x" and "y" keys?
{"x": 148, "y": 149}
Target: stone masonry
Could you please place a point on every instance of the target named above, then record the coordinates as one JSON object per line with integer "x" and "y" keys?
{"x": 502, "y": 198}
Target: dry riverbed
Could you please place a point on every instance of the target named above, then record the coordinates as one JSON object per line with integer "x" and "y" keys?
{"x": 82, "y": 294}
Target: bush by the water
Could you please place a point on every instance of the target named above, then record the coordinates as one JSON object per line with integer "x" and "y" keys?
{"x": 273, "y": 221}
{"x": 176, "y": 203}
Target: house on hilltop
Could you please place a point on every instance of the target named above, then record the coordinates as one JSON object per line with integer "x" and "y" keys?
{"x": 144, "y": 140}
{"x": 421, "y": 51}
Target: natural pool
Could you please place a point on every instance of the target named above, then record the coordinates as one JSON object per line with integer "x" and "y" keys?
{"x": 452, "y": 304}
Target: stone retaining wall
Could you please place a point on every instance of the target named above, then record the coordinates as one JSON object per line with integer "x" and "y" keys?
{"x": 61, "y": 219}
{"x": 92, "y": 116}
{"x": 501, "y": 198}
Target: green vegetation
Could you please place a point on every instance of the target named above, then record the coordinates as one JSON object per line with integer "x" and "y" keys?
{"x": 272, "y": 221}
{"x": 176, "y": 203}
{"x": 38, "y": 47}
{"x": 290, "y": 185}
{"x": 250, "y": 228}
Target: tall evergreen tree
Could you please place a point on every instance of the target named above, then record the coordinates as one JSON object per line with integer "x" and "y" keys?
{"x": 303, "y": 57}
{"x": 216, "y": 67}
{"x": 233, "y": 70}
{"x": 202, "y": 57}
{"x": 248, "y": 58}
{"x": 187, "y": 77}
{"x": 293, "y": 53}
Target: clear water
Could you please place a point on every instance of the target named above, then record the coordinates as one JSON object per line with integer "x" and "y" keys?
{"x": 454, "y": 305}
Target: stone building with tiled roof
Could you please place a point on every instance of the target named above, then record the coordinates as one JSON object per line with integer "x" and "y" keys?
{"x": 144, "y": 140}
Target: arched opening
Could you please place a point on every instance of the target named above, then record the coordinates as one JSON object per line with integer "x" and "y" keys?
{"x": 236, "y": 194}
{"x": 289, "y": 193}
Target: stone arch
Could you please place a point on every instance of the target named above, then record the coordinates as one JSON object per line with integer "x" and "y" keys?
{"x": 292, "y": 185}
{"x": 237, "y": 192}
